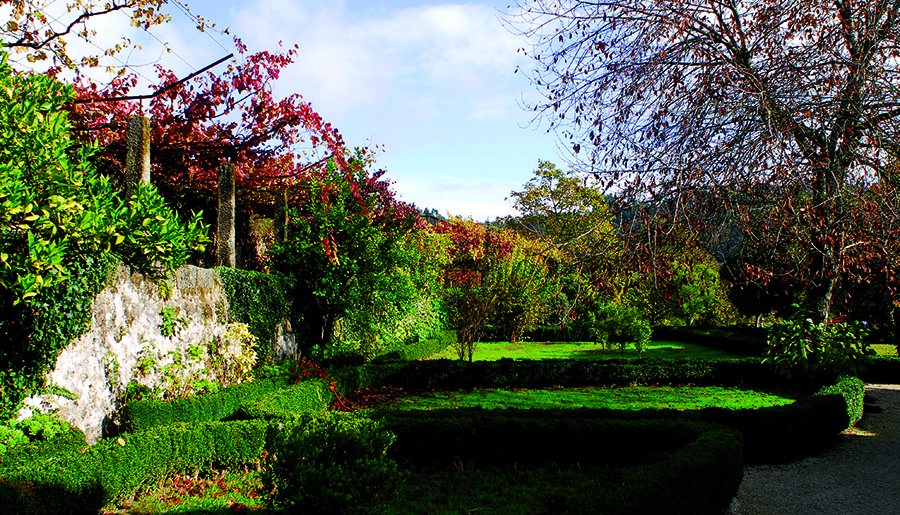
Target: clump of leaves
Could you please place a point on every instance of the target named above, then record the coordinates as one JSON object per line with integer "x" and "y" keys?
{"x": 804, "y": 348}
{"x": 39, "y": 426}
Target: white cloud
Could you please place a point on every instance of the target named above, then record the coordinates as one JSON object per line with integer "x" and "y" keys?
{"x": 454, "y": 52}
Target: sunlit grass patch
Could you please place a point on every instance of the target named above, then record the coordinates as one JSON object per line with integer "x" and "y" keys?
{"x": 626, "y": 398}
{"x": 492, "y": 351}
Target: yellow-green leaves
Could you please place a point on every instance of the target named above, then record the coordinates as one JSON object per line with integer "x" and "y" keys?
{"x": 55, "y": 207}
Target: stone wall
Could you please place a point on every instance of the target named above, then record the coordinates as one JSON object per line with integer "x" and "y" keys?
{"x": 125, "y": 335}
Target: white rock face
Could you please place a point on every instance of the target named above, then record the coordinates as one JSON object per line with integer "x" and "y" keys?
{"x": 126, "y": 327}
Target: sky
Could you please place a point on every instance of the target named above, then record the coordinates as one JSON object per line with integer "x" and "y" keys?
{"x": 433, "y": 85}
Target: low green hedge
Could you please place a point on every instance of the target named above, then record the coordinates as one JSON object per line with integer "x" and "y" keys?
{"x": 453, "y": 374}
{"x": 310, "y": 396}
{"x": 490, "y": 438}
{"x": 853, "y": 389}
{"x": 61, "y": 481}
{"x": 68, "y": 442}
{"x": 698, "y": 479}
{"x": 641, "y": 466}
{"x": 420, "y": 349}
{"x": 141, "y": 415}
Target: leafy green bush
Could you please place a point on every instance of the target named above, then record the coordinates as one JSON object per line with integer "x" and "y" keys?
{"x": 804, "y": 348}
{"x": 55, "y": 206}
{"x": 620, "y": 325}
{"x": 10, "y": 438}
{"x": 332, "y": 465}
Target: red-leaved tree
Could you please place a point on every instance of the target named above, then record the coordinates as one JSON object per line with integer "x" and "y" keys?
{"x": 198, "y": 124}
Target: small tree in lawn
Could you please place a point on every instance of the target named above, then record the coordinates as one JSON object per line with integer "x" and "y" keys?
{"x": 570, "y": 217}
{"x": 620, "y": 325}
{"x": 471, "y": 279}
{"x": 526, "y": 287}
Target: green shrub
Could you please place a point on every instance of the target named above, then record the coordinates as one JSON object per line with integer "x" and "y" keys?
{"x": 332, "y": 465}
{"x": 806, "y": 349}
{"x": 619, "y": 325}
{"x": 39, "y": 427}
{"x": 10, "y": 438}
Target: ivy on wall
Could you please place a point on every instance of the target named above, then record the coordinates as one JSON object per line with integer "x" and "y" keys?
{"x": 33, "y": 335}
{"x": 259, "y": 300}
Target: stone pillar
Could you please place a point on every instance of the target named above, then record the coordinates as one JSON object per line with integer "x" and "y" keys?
{"x": 225, "y": 239}
{"x": 281, "y": 216}
{"x": 137, "y": 158}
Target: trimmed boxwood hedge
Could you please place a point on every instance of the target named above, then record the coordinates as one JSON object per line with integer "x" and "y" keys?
{"x": 420, "y": 349}
{"x": 481, "y": 437}
{"x": 310, "y": 396}
{"x": 642, "y": 466}
{"x": 700, "y": 478}
{"x": 61, "y": 481}
{"x": 453, "y": 374}
{"x": 141, "y": 415}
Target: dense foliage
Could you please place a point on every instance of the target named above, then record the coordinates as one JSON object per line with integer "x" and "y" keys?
{"x": 55, "y": 207}
{"x": 347, "y": 251}
{"x": 334, "y": 464}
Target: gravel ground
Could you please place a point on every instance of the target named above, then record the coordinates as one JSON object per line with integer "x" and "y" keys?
{"x": 860, "y": 475}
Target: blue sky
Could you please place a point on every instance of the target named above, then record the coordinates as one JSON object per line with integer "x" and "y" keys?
{"x": 431, "y": 83}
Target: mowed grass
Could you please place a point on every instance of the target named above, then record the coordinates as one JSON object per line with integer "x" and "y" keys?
{"x": 492, "y": 351}
{"x": 626, "y": 398}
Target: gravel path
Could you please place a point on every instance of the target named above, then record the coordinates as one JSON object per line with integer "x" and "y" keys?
{"x": 860, "y": 475}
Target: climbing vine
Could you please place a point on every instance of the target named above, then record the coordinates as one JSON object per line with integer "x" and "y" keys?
{"x": 258, "y": 300}
{"x": 34, "y": 334}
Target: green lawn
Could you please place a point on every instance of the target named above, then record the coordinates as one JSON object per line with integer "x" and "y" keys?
{"x": 492, "y": 351}
{"x": 626, "y": 398}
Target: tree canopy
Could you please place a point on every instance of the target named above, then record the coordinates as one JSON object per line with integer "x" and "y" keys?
{"x": 782, "y": 113}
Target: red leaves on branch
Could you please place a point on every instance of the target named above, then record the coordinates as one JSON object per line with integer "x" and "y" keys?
{"x": 312, "y": 369}
{"x": 212, "y": 118}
